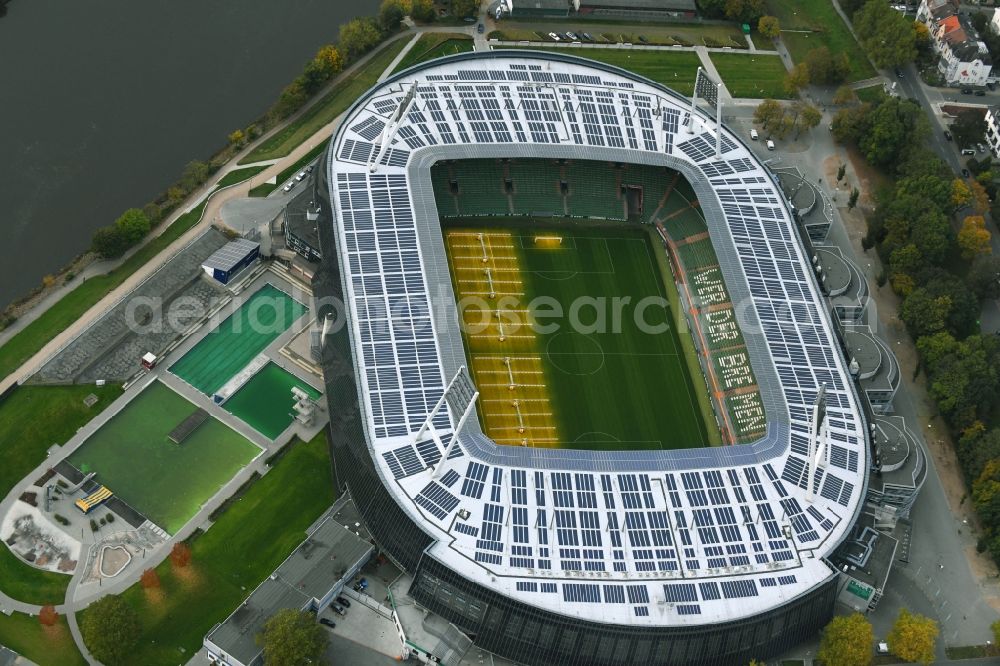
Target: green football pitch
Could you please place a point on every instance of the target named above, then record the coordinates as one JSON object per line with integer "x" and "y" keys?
{"x": 615, "y": 374}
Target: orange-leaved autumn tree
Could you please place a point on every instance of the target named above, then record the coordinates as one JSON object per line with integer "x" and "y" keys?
{"x": 150, "y": 579}
{"x": 48, "y": 616}
{"x": 974, "y": 237}
{"x": 180, "y": 554}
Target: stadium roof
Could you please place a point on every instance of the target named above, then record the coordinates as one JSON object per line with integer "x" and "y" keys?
{"x": 639, "y": 537}
{"x": 231, "y": 254}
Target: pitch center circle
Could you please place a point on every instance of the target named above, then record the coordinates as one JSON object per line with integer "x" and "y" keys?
{"x": 575, "y": 353}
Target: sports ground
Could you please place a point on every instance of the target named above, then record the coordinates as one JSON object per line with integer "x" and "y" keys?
{"x": 556, "y": 384}
{"x": 165, "y": 481}
{"x": 268, "y": 313}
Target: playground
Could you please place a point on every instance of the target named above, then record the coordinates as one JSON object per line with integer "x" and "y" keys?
{"x": 224, "y": 352}
{"x": 265, "y": 401}
{"x": 163, "y": 456}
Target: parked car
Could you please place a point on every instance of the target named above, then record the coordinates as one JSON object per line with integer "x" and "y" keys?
{"x": 991, "y": 85}
{"x": 327, "y": 623}
{"x": 554, "y": 37}
{"x": 288, "y": 187}
{"x": 966, "y": 91}
{"x": 642, "y": 38}
{"x": 310, "y": 168}
{"x": 587, "y": 37}
{"x": 968, "y": 151}
{"x": 980, "y": 93}
{"x": 572, "y": 36}
{"x": 770, "y": 144}
{"x": 965, "y": 173}
{"x": 338, "y": 609}
{"x": 480, "y": 28}
{"x": 301, "y": 175}
{"x": 947, "y": 135}
{"x": 981, "y": 148}
{"x": 753, "y": 135}
{"x": 343, "y": 602}
{"x": 899, "y": 73}
{"x": 564, "y": 36}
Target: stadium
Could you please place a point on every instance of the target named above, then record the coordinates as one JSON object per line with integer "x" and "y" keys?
{"x": 676, "y": 502}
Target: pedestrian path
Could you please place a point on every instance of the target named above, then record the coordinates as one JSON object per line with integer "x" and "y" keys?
{"x": 402, "y": 54}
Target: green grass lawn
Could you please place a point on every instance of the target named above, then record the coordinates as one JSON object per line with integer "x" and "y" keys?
{"x": 239, "y": 175}
{"x": 328, "y": 107}
{"x": 73, "y": 305}
{"x": 752, "y": 75}
{"x": 228, "y": 561}
{"x": 46, "y": 646}
{"x": 687, "y": 34}
{"x": 167, "y": 482}
{"x": 34, "y": 418}
{"x": 871, "y": 94}
{"x": 674, "y": 70}
{"x": 828, "y": 28}
{"x": 435, "y": 45}
{"x": 24, "y": 582}
{"x": 619, "y": 386}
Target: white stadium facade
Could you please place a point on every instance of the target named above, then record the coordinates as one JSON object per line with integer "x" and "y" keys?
{"x": 558, "y": 556}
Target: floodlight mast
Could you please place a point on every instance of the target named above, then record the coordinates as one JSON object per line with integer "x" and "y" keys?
{"x": 819, "y": 450}
{"x": 460, "y": 383}
{"x": 389, "y": 131}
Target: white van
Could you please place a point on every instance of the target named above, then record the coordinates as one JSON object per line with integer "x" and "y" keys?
{"x": 770, "y": 144}
{"x": 753, "y": 134}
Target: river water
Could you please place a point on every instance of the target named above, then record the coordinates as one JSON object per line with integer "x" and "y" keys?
{"x": 103, "y": 103}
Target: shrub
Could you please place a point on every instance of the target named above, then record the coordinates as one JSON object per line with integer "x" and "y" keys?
{"x": 93, "y": 525}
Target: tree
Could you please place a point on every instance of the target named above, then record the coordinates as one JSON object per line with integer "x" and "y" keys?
{"x": 464, "y": 8}
{"x": 390, "y": 15}
{"x": 890, "y": 128}
{"x": 292, "y": 638}
{"x": 291, "y": 99}
{"x": 359, "y": 36}
{"x": 886, "y": 35}
{"x": 826, "y": 68}
{"x": 133, "y": 225}
{"x": 109, "y": 242}
{"x": 923, "y": 313}
{"x": 797, "y": 79}
{"x": 809, "y": 117}
{"x": 110, "y": 628}
{"x": 422, "y": 10}
{"x": 324, "y": 66}
{"x": 995, "y": 628}
{"x": 180, "y": 555}
{"x": 912, "y": 637}
{"x": 150, "y": 579}
{"x": 195, "y": 173}
{"x": 844, "y": 95}
{"x": 769, "y": 27}
{"x": 237, "y": 138}
{"x": 961, "y": 195}
{"x": 980, "y": 198}
{"x": 847, "y": 641}
{"x": 852, "y": 201}
{"x": 768, "y": 113}
{"x": 744, "y": 11}
{"x": 48, "y": 616}
{"x": 974, "y": 237}
{"x": 983, "y": 276}
{"x": 968, "y": 128}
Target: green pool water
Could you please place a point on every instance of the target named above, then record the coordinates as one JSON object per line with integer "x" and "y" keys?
{"x": 167, "y": 482}
{"x": 265, "y": 401}
{"x": 247, "y": 332}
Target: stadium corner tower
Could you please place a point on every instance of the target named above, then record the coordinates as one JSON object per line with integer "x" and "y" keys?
{"x": 553, "y": 555}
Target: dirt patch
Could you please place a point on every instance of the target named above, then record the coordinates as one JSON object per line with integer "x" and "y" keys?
{"x": 155, "y": 596}
{"x": 188, "y": 576}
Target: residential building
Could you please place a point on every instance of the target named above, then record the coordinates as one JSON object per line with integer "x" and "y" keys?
{"x": 963, "y": 58}
{"x": 993, "y": 129}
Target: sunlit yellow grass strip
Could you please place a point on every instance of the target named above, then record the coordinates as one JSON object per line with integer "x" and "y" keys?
{"x": 514, "y": 404}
